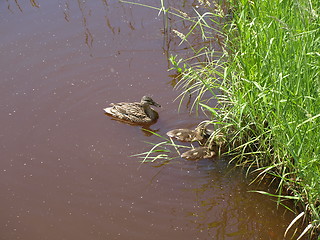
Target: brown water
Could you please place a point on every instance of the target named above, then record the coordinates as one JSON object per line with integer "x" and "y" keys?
{"x": 65, "y": 171}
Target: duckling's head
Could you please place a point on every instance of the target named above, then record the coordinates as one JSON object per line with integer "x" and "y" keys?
{"x": 203, "y": 130}
{"x": 145, "y": 100}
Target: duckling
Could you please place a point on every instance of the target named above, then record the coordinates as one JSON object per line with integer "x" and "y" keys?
{"x": 217, "y": 142}
{"x": 198, "y": 153}
{"x": 199, "y": 134}
{"x": 136, "y": 112}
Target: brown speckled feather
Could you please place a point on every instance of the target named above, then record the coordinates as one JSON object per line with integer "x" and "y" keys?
{"x": 185, "y": 135}
{"x": 198, "y": 153}
{"x": 134, "y": 112}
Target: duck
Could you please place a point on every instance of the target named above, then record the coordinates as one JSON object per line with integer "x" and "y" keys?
{"x": 136, "y": 112}
{"x": 198, "y": 153}
{"x": 218, "y": 142}
{"x": 200, "y": 133}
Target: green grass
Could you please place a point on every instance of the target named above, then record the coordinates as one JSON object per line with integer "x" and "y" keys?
{"x": 266, "y": 78}
{"x": 274, "y": 86}
{"x": 268, "y": 71}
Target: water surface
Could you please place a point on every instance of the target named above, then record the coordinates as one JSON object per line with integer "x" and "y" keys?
{"x": 65, "y": 170}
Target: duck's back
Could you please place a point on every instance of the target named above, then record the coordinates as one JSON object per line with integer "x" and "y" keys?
{"x": 184, "y": 135}
{"x": 132, "y": 112}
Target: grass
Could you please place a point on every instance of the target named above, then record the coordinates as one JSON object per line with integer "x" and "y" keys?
{"x": 268, "y": 71}
{"x": 267, "y": 76}
{"x": 273, "y": 85}
{"x": 271, "y": 94}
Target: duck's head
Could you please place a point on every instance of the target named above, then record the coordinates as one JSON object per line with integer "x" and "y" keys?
{"x": 145, "y": 100}
{"x": 203, "y": 129}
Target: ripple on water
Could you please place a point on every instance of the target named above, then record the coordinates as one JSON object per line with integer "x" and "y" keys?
{"x": 65, "y": 171}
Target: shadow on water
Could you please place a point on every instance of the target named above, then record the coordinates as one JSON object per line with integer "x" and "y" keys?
{"x": 65, "y": 171}
{"x": 145, "y": 128}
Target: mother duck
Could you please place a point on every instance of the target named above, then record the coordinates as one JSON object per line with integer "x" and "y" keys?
{"x": 136, "y": 112}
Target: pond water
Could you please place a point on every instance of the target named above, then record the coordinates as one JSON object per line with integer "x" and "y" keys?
{"x": 66, "y": 170}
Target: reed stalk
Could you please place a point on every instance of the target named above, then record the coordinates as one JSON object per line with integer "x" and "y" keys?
{"x": 268, "y": 71}
{"x": 266, "y": 78}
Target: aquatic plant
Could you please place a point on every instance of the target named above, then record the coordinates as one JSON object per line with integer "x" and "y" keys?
{"x": 269, "y": 77}
{"x": 266, "y": 78}
{"x": 273, "y": 84}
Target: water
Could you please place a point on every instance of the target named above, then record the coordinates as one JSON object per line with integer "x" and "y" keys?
{"x": 65, "y": 170}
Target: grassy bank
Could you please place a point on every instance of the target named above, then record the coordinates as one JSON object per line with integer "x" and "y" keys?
{"x": 274, "y": 86}
{"x": 270, "y": 101}
{"x": 268, "y": 79}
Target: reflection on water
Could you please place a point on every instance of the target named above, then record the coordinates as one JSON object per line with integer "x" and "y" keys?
{"x": 65, "y": 171}
{"x": 87, "y": 33}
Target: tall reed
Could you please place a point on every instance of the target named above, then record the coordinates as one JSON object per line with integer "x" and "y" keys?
{"x": 268, "y": 72}
{"x": 267, "y": 76}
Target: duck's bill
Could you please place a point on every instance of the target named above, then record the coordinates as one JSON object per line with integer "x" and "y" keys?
{"x": 156, "y": 104}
